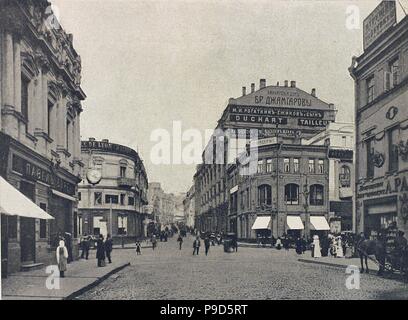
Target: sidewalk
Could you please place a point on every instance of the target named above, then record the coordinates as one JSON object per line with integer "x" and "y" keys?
{"x": 81, "y": 276}
{"x": 336, "y": 262}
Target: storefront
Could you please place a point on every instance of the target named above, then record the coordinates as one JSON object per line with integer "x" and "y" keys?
{"x": 294, "y": 226}
{"x": 29, "y": 240}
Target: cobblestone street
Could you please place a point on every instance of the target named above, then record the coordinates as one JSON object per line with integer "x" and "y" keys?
{"x": 251, "y": 273}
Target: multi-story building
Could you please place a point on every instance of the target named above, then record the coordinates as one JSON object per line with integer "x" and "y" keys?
{"x": 189, "y": 207}
{"x": 114, "y": 192}
{"x": 381, "y": 95}
{"x": 40, "y": 100}
{"x": 163, "y": 204}
{"x": 339, "y": 137}
{"x": 276, "y": 119}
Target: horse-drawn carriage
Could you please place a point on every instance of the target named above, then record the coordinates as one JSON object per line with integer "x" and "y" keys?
{"x": 390, "y": 249}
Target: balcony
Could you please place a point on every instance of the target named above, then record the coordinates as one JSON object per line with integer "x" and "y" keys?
{"x": 126, "y": 182}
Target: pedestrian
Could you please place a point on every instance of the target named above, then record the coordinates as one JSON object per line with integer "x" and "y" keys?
{"x": 100, "y": 251}
{"x": 180, "y": 241}
{"x": 154, "y": 242}
{"x": 339, "y": 248}
{"x": 109, "y": 247}
{"x": 138, "y": 248}
{"x": 207, "y": 245}
{"x": 62, "y": 258}
{"x": 299, "y": 246}
{"x": 278, "y": 244}
{"x": 196, "y": 246}
{"x": 85, "y": 247}
{"x": 316, "y": 247}
{"x": 68, "y": 244}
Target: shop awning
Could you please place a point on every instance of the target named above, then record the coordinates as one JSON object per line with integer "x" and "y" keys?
{"x": 14, "y": 203}
{"x": 261, "y": 223}
{"x": 319, "y": 223}
{"x": 294, "y": 223}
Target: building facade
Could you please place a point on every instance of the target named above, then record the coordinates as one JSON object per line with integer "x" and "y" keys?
{"x": 275, "y": 119}
{"x": 40, "y": 100}
{"x": 381, "y": 95}
{"x": 339, "y": 137}
{"x": 189, "y": 207}
{"x": 114, "y": 202}
{"x": 163, "y": 205}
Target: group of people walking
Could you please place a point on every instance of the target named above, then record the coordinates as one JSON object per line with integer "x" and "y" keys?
{"x": 104, "y": 250}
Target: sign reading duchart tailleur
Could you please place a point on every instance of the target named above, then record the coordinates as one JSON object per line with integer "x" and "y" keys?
{"x": 379, "y": 21}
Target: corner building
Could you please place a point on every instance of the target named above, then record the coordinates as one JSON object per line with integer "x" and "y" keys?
{"x": 381, "y": 95}
{"x": 115, "y": 204}
{"x": 41, "y": 103}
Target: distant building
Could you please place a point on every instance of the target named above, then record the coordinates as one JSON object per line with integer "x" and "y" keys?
{"x": 339, "y": 137}
{"x": 189, "y": 207}
{"x": 289, "y": 184}
{"x": 164, "y": 204}
{"x": 381, "y": 94}
{"x": 113, "y": 192}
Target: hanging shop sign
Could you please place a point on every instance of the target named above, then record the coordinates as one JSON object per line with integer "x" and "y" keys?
{"x": 342, "y": 154}
{"x": 34, "y": 172}
{"x": 388, "y": 186}
{"x": 379, "y": 21}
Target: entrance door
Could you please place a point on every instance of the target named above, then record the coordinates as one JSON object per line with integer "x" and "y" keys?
{"x": 27, "y": 227}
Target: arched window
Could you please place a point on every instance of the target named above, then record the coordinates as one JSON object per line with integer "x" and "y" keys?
{"x": 316, "y": 195}
{"x": 265, "y": 195}
{"x": 292, "y": 193}
{"x": 344, "y": 177}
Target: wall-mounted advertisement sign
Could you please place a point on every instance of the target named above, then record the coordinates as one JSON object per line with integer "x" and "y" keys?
{"x": 379, "y": 21}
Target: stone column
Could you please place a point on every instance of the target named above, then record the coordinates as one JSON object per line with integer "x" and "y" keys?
{"x": 8, "y": 75}
{"x": 17, "y": 74}
{"x": 44, "y": 105}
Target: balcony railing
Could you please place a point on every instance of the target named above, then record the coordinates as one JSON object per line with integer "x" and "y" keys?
{"x": 126, "y": 182}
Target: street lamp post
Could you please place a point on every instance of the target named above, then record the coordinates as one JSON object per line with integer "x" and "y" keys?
{"x": 306, "y": 193}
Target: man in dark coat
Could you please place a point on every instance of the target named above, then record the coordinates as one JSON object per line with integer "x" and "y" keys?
{"x": 100, "y": 251}
{"x": 108, "y": 247}
{"x": 196, "y": 246}
{"x": 207, "y": 245}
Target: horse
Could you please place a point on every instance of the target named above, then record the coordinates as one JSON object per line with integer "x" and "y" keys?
{"x": 367, "y": 247}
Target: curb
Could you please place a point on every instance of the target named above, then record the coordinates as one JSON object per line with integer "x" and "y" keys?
{"x": 88, "y": 287}
{"x": 336, "y": 265}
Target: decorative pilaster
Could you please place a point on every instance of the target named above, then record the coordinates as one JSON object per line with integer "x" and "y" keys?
{"x": 8, "y": 71}
{"x": 17, "y": 73}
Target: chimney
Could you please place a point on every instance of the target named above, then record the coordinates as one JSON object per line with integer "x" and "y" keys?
{"x": 91, "y": 139}
{"x": 262, "y": 83}
{"x": 314, "y": 92}
{"x": 243, "y": 91}
{"x": 105, "y": 140}
{"x": 293, "y": 84}
{"x": 252, "y": 87}
{"x": 286, "y": 83}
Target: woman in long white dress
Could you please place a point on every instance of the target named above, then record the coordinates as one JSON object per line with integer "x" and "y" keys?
{"x": 316, "y": 247}
{"x": 339, "y": 248}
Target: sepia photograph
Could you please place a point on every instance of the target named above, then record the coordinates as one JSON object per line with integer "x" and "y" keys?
{"x": 217, "y": 152}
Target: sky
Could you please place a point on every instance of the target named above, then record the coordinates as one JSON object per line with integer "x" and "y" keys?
{"x": 146, "y": 64}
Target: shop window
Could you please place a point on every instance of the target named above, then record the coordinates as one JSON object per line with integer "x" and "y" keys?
{"x": 286, "y": 165}
{"x": 122, "y": 225}
{"x": 296, "y": 165}
{"x": 311, "y": 166}
{"x": 292, "y": 194}
{"x": 316, "y": 195}
{"x": 98, "y": 197}
{"x": 345, "y": 177}
{"x": 370, "y": 83}
{"x": 43, "y": 223}
{"x": 131, "y": 201}
{"x": 393, "y": 149}
{"x": 12, "y": 227}
{"x": 264, "y": 195}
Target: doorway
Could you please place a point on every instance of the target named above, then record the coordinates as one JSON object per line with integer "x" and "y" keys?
{"x": 27, "y": 227}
